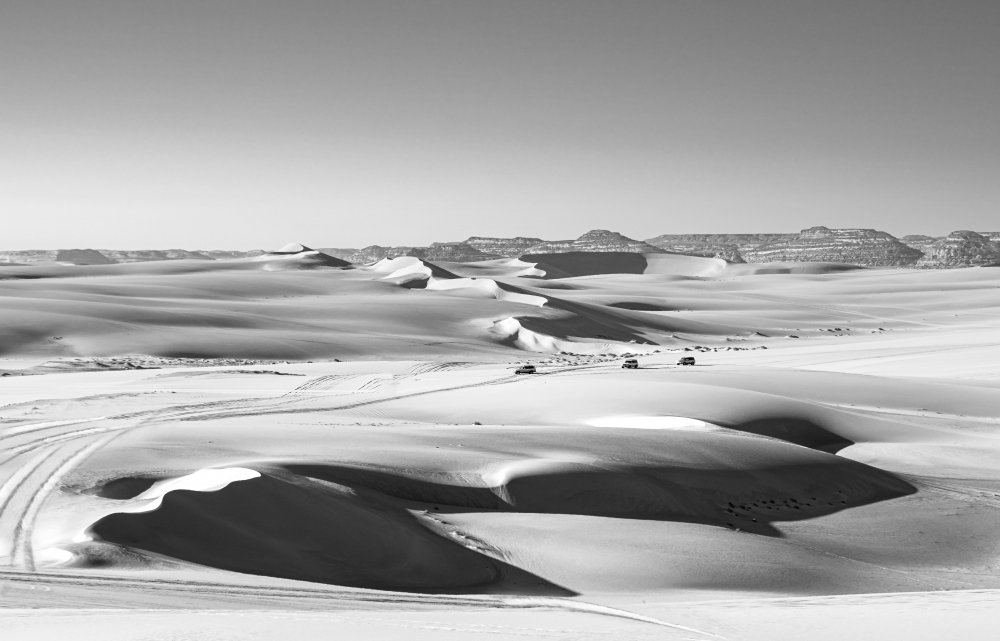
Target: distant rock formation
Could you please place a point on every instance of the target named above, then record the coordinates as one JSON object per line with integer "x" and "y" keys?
{"x": 339, "y": 252}
{"x": 729, "y": 247}
{"x": 374, "y": 253}
{"x": 728, "y": 253}
{"x": 461, "y": 252}
{"x": 919, "y": 241}
{"x": 478, "y": 248}
{"x": 145, "y": 255}
{"x": 83, "y": 257}
{"x": 29, "y": 256}
{"x": 226, "y": 254}
{"x": 505, "y": 247}
{"x": 864, "y": 247}
{"x": 867, "y": 247}
{"x": 961, "y": 249}
{"x": 595, "y": 240}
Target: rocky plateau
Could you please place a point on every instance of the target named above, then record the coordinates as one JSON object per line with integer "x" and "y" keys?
{"x": 864, "y": 247}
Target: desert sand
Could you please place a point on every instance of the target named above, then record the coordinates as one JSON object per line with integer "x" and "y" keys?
{"x": 292, "y": 445}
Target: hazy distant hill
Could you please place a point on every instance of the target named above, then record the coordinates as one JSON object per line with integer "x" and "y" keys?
{"x": 111, "y": 256}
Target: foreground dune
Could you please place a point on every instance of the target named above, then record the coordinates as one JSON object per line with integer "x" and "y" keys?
{"x": 178, "y": 437}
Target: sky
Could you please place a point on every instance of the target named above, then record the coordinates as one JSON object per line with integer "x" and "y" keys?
{"x": 243, "y": 124}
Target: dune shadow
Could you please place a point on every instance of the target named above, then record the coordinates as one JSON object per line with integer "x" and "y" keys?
{"x": 795, "y": 430}
{"x": 745, "y": 499}
{"x": 291, "y": 527}
{"x": 571, "y": 264}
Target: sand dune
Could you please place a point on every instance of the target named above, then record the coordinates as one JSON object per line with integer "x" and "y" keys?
{"x": 180, "y": 433}
{"x": 296, "y": 256}
{"x": 295, "y": 528}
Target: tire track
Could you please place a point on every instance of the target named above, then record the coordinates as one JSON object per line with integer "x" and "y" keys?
{"x": 502, "y": 380}
{"x": 955, "y": 491}
{"x": 57, "y": 454}
{"x": 332, "y": 597}
{"x": 22, "y": 554}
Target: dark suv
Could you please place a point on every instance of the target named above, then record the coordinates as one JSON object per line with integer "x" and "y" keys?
{"x": 686, "y": 360}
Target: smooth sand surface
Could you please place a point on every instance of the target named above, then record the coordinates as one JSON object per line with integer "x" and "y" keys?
{"x": 182, "y": 457}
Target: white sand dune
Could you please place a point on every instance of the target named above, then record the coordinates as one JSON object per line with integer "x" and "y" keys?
{"x": 177, "y": 436}
{"x": 300, "y": 529}
{"x": 296, "y": 256}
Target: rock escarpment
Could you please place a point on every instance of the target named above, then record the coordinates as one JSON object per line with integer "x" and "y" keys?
{"x": 867, "y": 247}
{"x": 919, "y": 241}
{"x": 961, "y": 249}
{"x": 453, "y": 252}
{"x": 506, "y": 247}
{"x": 458, "y": 252}
{"x": 729, "y": 247}
{"x": 477, "y": 248}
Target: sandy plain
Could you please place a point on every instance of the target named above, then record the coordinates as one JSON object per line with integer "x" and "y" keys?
{"x": 294, "y": 446}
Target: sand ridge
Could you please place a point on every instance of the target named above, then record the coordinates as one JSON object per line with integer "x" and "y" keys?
{"x": 836, "y": 436}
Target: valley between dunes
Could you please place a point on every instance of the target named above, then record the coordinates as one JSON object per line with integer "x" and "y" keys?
{"x": 293, "y": 445}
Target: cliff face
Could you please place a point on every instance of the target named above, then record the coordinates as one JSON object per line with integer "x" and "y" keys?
{"x": 867, "y": 247}
{"x": 458, "y": 252}
{"x": 741, "y": 241}
{"x": 507, "y": 247}
{"x": 961, "y": 249}
{"x": 918, "y": 241}
{"x": 729, "y": 247}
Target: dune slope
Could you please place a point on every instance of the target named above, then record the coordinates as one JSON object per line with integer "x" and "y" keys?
{"x": 299, "y": 529}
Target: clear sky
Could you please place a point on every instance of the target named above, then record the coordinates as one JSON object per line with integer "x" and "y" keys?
{"x": 240, "y": 123}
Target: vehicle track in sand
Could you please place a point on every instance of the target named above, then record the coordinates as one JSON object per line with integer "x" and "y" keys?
{"x": 45, "y": 453}
{"x": 956, "y": 489}
{"x": 37, "y": 456}
{"x": 25, "y": 489}
{"x": 104, "y": 588}
{"x": 281, "y": 406}
{"x": 831, "y": 309}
